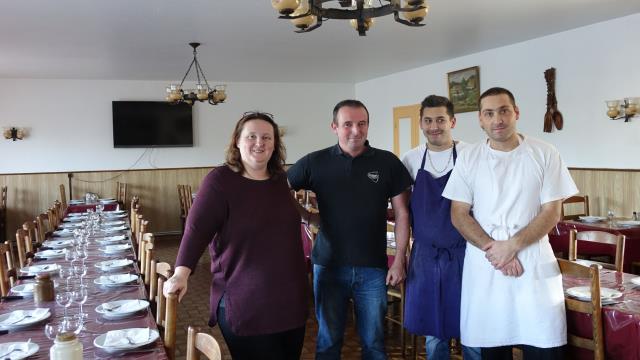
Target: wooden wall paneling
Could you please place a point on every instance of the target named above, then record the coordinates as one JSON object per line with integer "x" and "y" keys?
{"x": 618, "y": 190}
{"x": 30, "y": 194}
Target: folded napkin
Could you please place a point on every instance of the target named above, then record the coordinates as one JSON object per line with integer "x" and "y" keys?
{"x": 127, "y": 307}
{"x": 113, "y": 223}
{"x": 28, "y": 287}
{"x": 19, "y": 316}
{"x": 112, "y": 229}
{"x": 34, "y": 269}
{"x": 116, "y": 279}
{"x": 111, "y": 238}
{"x": 114, "y": 263}
{"x": 49, "y": 253}
{"x": 126, "y": 337}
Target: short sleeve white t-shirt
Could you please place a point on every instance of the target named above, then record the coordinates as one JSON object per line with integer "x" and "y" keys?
{"x": 441, "y": 161}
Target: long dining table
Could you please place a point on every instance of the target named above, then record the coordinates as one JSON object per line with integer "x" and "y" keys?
{"x": 559, "y": 240}
{"x": 95, "y": 324}
{"x": 621, "y": 319}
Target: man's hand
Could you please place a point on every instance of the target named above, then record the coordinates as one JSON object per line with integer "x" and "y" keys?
{"x": 513, "y": 268}
{"x": 396, "y": 273}
{"x": 500, "y": 253}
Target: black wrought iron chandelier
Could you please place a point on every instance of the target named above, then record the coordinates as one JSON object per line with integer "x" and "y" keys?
{"x": 307, "y": 15}
{"x": 202, "y": 92}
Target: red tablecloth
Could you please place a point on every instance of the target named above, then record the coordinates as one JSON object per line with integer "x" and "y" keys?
{"x": 621, "y": 321}
{"x": 559, "y": 239}
{"x": 80, "y": 208}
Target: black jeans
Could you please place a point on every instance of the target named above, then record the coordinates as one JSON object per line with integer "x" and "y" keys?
{"x": 528, "y": 353}
{"x": 286, "y": 345}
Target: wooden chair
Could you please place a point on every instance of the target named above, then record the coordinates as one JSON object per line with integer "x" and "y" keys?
{"x": 142, "y": 227}
{"x": 30, "y": 233}
{"x": 121, "y": 194}
{"x": 3, "y": 214}
{"x": 592, "y": 308}
{"x": 8, "y": 274}
{"x": 63, "y": 197}
{"x": 202, "y": 342}
{"x": 166, "y": 308}
{"x": 602, "y": 238}
{"x": 146, "y": 255}
{"x": 24, "y": 257}
{"x": 576, "y": 200}
{"x": 42, "y": 228}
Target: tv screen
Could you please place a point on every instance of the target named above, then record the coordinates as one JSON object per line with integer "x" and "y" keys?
{"x": 151, "y": 123}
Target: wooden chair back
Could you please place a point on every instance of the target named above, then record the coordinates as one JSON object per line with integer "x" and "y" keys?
{"x": 141, "y": 228}
{"x": 593, "y": 307}
{"x": 601, "y": 237}
{"x": 166, "y": 307}
{"x": 41, "y": 228}
{"x": 30, "y": 233}
{"x": 146, "y": 255}
{"x": 3, "y": 214}
{"x": 121, "y": 194}
{"x": 202, "y": 342}
{"x": 3, "y": 197}
{"x": 8, "y": 274}
{"x": 584, "y": 200}
{"x": 24, "y": 256}
{"x": 63, "y": 197}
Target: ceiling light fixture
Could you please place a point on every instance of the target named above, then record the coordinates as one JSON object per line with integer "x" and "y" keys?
{"x": 304, "y": 13}
{"x": 202, "y": 92}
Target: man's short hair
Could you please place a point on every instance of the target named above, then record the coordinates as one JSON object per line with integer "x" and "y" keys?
{"x": 349, "y": 103}
{"x": 433, "y": 101}
{"x": 496, "y": 91}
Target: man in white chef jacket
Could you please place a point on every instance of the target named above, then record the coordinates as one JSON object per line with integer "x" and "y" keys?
{"x": 506, "y": 196}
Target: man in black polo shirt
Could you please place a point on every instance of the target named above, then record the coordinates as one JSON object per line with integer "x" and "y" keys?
{"x": 353, "y": 183}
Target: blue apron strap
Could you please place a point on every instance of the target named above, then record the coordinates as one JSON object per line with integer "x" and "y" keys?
{"x": 455, "y": 153}
{"x": 424, "y": 156}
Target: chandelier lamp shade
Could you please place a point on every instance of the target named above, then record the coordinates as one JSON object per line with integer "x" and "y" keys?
{"x": 203, "y": 92}
{"x": 308, "y": 15}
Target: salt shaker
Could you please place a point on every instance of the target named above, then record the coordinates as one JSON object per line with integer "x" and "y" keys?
{"x": 66, "y": 347}
{"x": 43, "y": 289}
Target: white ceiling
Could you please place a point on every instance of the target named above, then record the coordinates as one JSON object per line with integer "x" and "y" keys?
{"x": 244, "y": 41}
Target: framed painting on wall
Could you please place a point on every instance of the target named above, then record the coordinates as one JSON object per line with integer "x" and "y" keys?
{"x": 464, "y": 89}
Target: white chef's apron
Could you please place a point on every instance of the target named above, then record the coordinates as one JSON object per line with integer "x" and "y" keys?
{"x": 499, "y": 310}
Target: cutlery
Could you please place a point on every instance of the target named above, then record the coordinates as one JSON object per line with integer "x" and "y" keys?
{"x": 11, "y": 297}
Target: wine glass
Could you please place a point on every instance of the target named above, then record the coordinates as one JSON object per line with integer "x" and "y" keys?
{"x": 51, "y": 330}
{"x": 79, "y": 296}
{"x": 70, "y": 255}
{"x": 64, "y": 299}
{"x": 81, "y": 253}
{"x": 80, "y": 271}
{"x": 66, "y": 273}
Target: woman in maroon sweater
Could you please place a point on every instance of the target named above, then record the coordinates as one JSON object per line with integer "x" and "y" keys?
{"x": 245, "y": 213}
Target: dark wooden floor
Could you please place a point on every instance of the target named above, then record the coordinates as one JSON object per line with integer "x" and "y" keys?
{"x": 194, "y": 310}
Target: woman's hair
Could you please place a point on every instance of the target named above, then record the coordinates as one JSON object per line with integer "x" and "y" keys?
{"x": 275, "y": 165}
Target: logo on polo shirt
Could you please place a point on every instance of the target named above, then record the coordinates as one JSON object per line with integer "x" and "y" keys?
{"x": 373, "y": 176}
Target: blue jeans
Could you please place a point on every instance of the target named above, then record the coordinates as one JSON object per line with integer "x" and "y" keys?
{"x": 438, "y": 349}
{"x": 333, "y": 286}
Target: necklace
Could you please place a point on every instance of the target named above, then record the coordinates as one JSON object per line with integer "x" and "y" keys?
{"x": 445, "y": 166}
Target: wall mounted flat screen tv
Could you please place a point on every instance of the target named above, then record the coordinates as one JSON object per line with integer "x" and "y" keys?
{"x": 151, "y": 124}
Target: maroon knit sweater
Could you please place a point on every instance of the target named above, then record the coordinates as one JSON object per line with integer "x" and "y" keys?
{"x": 253, "y": 232}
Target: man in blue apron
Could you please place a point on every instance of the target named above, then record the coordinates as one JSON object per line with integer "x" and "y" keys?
{"x": 434, "y": 276}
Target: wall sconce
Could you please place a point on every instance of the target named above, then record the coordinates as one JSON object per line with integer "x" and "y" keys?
{"x": 13, "y": 133}
{"x": 623, "y": 109}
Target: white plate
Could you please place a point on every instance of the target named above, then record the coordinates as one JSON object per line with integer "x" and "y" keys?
{"x": 113, "y": 264}
{"x": 584, "y": 293}
{"x": 628, "y": 222}
{"x": 99, "y": 342}
{"x": 71, "y": 225}
{"x": 113, "y": 223}
{"x": 636, "y": 280}
{"x": 113, "y": 229}
{"x": 110, "y": 216}
{"x": 40, "y": 269}
{"x": 588, "y": 263}
{"x": 110, "y": 239}
{"x": 121, "y": 308}
{"x": 115, "y": 280}
{"x": 112, "y": 249}
{"x": 76, "y": 202}
{"x": 32, "y": 348}
{"x": 65, "y": 233}
{"x": 107, "y": 201}
{"x": 77, "y": 214}
{"x": 113, "y": 212}
{"x": 51, "y": 254}
{"x": 58, "y": 244}
{"x": 25, "y": 322}
{"x": 591, "y": 219}
{"x": 25, "y": 289}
